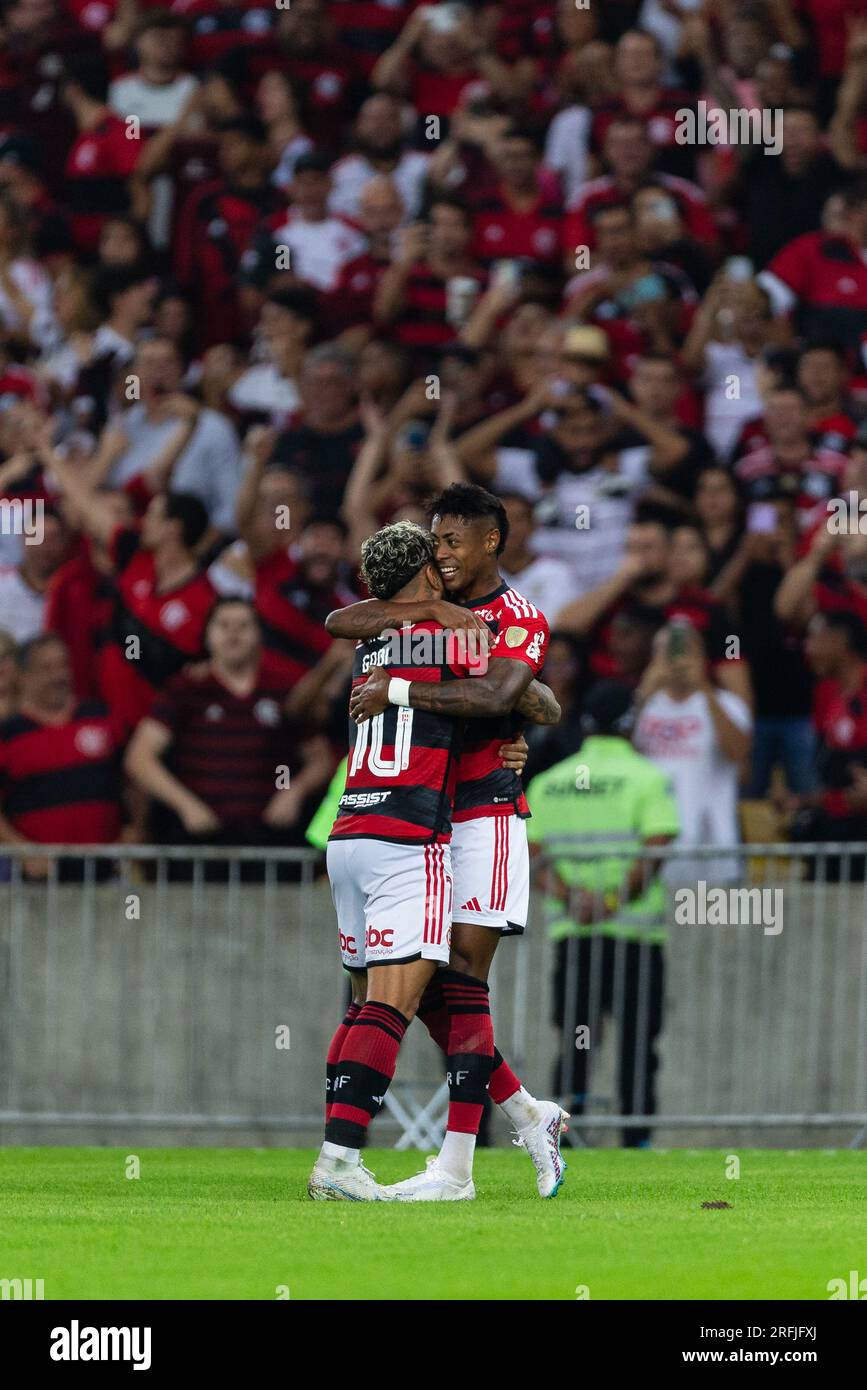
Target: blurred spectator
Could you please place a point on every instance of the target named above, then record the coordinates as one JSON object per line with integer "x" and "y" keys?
{"x": 59, "y": 773}
{"x": 820, "y": 278}
{"x": 641, "y": 305}
{"x": 628, "y": 155}
{"x": 518, "y": 210}
{"x": 437, "y": 55}
{"x": 217, "y": 753}
{"x": 699, "y": 736}
{"x": 540, "y": 579}
{"x": 432, "y": 257}
{"x": 323, "y": 441}
{"x": 23, "y": 587}
{"x": 563, "y": 672}
{"x": 102, "y": 158}
{"x": 208, "y": 465}
{"x": 723, "y": 347}
{"x": 8, "y": 675}
{"x": 791, "y": 467}
{"x": 25, "y": 289}
{"x": 79, "y": 602}
{"x": 269, "y": 387}
{"x": 307, "y": 241}
{"x": 217, "y": 223}
{"x": 277, "y": 105}
{"x": 719, "y": 509}
{"x": 647, "y": 578}
{"x": 382, "y": 148}
{"x": 161, "y": 599}
{"x": 783, "y": 197}
{"x": 837, "y": 652}
{"x": 821, "y": 377}
{"x": 642, "y": 91}
{"x": 348, "y": 307}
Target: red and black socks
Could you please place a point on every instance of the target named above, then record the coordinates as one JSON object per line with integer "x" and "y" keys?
{"x": 333, "y": 1055}
{"x": 363, "y": 1072}
{"x": 470, "y": 1048}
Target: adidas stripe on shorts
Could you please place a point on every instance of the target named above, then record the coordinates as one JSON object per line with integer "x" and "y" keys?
{"x": 491, "y": 870}
{"x": 393, "y": 901}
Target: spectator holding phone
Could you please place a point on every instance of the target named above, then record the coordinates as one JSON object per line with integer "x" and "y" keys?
{"x": 699, "y": 736}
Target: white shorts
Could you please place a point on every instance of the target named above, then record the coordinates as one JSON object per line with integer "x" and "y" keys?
{"x": 393, "y": 902}
{"x": 491, "y": 869}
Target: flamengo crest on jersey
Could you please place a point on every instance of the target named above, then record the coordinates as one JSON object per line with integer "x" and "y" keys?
{"x": 484, "y": 786}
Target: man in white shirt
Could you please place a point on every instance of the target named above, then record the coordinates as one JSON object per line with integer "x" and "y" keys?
{"x": 210, "y": 464}
{"x": 157, "y": 91}
{"x": 156, "y": 95}
{"x": 283, "y": 334}
{"x": 23, "y": 586}
{"x": 379, "y": 137}
{"x": 318, "y": 244}
{"x": 700, "y": 736}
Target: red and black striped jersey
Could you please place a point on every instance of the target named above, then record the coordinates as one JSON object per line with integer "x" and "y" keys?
{"x": 60, "y": 783}
{"x": 152, "y": 634}
{"x": 292, "y": 613}
{"x": 485, "y": 787}
{"x": 422, "y": 326}
{"x": 226, "y": 748}
{"x": 400, "y": 778}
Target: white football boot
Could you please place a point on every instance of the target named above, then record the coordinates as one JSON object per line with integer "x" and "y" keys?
{"x": 336, "y": 1180}
{"x": 542, "y": 1142}
{"x": 433, "y": 1185}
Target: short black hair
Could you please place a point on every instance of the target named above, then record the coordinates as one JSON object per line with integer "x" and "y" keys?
{"x": 822, "y": 345}
{"x": 516, "y": 131}
{"x": 449, "y": 200}
{"x": 851, "y": 626}
{"x": 25, "y": 650}
{"x": 190, "y": 512}
{"x": 608, "y": 708}
{"x": 247, "y": 125}
{"x": 643, "y": 615}
{"x": 89, "y": 72}
{"x": 855, "y": 195}
{"x": 323, "y": 517}
{"x": 232, "y": 600}
{"x": 111, "y": 280}
{"x": 314, "y": 162}
{"x": 159, "y": 19}
{"x": 300, "y": 301}
{"x": 470, "y": 502}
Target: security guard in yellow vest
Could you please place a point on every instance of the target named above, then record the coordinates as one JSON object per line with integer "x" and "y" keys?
{"x": 606, "y": 913}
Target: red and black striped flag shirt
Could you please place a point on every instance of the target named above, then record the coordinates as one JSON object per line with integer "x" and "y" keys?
{"x": 60, "y": 783}
{"x": 153, "y": 634}
{"x": 226, "y": 748}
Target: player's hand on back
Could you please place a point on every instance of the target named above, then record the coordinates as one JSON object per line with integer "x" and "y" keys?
{"x": 514, "y": 754}
{"x": 371, "y": 698}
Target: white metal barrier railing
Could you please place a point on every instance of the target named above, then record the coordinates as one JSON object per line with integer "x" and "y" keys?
{"x": 189, "y": 990}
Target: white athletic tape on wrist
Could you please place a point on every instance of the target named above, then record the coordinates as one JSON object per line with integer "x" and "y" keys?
{"x": 398, "y": 691}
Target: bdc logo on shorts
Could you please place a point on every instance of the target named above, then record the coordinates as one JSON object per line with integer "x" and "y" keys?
{"x": 375, "y": 938}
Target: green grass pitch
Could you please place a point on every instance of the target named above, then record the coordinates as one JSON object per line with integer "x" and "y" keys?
{"x": 237, "y": 1224}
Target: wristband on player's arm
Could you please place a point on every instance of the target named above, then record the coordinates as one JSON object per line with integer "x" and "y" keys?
{"x": 398, "y": 691}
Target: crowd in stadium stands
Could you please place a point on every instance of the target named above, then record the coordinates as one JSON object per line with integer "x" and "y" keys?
{"x": 273, "y": 274}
